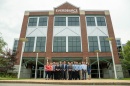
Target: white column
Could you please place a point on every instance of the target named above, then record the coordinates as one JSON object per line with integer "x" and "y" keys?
{"x": 36, "y": 66}
{"x": 98, "y": 65}
{"x": 23, "y": 43}
{"x": 113, "y": 60}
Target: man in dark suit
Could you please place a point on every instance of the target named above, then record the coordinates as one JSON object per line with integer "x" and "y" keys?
{"x": 64, "y": 70}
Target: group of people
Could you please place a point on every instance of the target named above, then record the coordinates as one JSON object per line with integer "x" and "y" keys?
{"x": 70, "y": 71}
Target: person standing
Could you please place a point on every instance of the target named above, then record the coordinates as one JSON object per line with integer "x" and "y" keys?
{"x": 89, "y": 71}
{"x": 46, "y": 68}
{"x": 76, "y": 71}
{"x": 73, "y": 70}
{"x": 84, "y": 70}
{"x": 70, "y": 71}
{"x": 80, "y": 71}
{"x": 50, "y": 70}
{"x": 60, "y": 71}
{"x": 57, "y": 71}
{"x": 53, "y": 71}
{"x": 64, "y": 70}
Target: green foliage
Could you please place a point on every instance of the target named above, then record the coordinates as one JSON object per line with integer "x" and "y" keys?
{"x": 126, "y": 55}
{"x": 8, "y": 75}
{"x": 7, "y": 61}
{"x": 2, "y": 44}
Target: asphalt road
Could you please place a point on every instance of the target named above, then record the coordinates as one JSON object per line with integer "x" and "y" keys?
{"x": 22, "y": 84}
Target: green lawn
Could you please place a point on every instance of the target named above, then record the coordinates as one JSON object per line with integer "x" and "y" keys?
{"x": 1, "y": 78}
{"x": 126, "y": 78}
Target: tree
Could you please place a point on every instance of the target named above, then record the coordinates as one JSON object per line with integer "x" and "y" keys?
{"x": 2, "y": 45}
{"x": 126, "y": 56}
{"x": 7, "y": 61}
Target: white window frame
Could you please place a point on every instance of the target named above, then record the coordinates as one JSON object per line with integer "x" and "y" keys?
{"x": 66, "y": 21}
{"x": 38, "y": 21}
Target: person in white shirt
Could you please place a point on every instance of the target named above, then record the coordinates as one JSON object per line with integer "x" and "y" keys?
{"x": 84, "y": 70}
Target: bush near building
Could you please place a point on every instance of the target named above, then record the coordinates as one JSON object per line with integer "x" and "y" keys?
{"x": 126, "y": 57}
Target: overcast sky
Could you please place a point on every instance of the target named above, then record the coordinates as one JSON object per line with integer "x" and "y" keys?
{"x": 12, "y": 12}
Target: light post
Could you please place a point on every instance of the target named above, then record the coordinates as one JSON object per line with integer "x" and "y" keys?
{"x": 113, "y": 60}
{"x": 36, "y": 66}
{"x": 97, "y": 51}
{"x": 23, "y": 40}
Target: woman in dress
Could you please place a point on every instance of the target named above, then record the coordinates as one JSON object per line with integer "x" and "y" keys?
{"x": 46, "y": 70}
{"x": 89, "y": 70}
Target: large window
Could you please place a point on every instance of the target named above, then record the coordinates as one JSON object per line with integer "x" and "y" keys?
{"x": 59, "y": 44}
{"x": 93, "y": 43}
{"x": 105, "y": 46}
{"x": 73, "y": 21}
{"x": 15, "y": 46}
{"x": 60, "y": 21}
{"x": 32, "y": 22}
{"x": 118, "y": 42}
{"x": 95, "y": 21}
{"x": 40, "y": 44}
{"x": 90, "y": 21}
{"x": 29, "y": 45}
{"x": 101, "y": 21}
{"x": 42, "y": 21}
{"x": 74, "y": 44}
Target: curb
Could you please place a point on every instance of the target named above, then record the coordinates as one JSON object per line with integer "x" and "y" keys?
{"x": 68, "y": 83}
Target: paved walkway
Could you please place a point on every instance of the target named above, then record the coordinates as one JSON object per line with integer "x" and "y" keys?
{"x": 26, "y": 84}
{"x": 71, "y": 82}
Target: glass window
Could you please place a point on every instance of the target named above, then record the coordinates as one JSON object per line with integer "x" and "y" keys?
{"x": 40, "y": 44}
{"x": 101, "y": 21}
{"x": 42, "y": 21}
{"x": 74, "y": 44}
{"x": 32, "y": 22}
{"x": 93, "y": 43}
{"x": 59, "y": 44}
{"x": 73, "y": 21}
{"x": 90, "y": 21}
{"x": 60, "y": 21}
{"x": 29, "y": 45}
{"x": 105, "y": 46}
{"x": 15, "y": 45}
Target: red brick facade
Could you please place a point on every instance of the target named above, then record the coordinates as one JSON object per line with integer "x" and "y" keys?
{"x": 84, "y": 52}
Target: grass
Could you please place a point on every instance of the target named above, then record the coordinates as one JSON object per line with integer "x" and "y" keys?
{"x": 126, "y": 79}
{"x": 1, "y": 78}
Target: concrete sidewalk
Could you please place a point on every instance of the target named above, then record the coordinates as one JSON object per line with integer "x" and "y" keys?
{"x": 71, "y": 82}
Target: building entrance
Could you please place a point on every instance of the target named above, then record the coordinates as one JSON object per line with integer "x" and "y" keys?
{"x": 34, "y": 69}
{"x": 40, "y": 71}
{"x": 104, "y": 63}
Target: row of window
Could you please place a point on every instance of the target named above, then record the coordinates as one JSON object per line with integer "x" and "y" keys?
{"x": 93, "y": 44}
{"x": 74, "y": 44}
{"x": 67, "y": 21}
{"x": 37, "y": 21}
{"x": 59, "y": 44}
{"x": 40, "y": 44}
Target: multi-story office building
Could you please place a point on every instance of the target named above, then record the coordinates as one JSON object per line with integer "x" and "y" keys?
{"x": 119, "y": 46}
{"x": 15, "y": 45}
{"x": 68, "y": 34}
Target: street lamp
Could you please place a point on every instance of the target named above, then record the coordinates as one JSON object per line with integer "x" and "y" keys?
{"x": 113, "y": 60}
{"x": 97, "y": 51}
{"x": 23, "y": 40}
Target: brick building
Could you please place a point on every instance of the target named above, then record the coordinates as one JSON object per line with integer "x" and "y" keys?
{"x": 68, "y": 34}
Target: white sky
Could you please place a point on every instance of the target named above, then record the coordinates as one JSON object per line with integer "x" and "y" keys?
{"x": 12, "y": 12}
